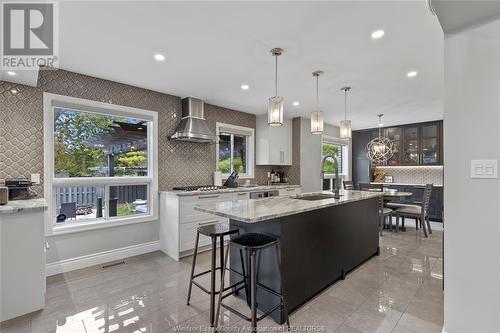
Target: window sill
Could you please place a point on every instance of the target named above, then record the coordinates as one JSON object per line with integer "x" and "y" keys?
{"x": 95, "y": 225}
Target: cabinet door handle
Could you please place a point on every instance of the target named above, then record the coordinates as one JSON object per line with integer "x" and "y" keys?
{"x": 282, "y": 157}
{"x": 242, "y": 194}
{"x": 208, "y": 196}
{"x": 290, "y": 189}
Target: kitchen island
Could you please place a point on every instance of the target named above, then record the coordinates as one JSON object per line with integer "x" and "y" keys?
{"x": 321, "y": 239}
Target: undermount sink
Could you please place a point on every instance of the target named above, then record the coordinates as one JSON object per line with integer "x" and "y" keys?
{"x": 315, "y": 196}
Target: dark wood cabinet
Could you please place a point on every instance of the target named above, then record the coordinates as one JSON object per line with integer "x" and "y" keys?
{"x": 414, "y": 144}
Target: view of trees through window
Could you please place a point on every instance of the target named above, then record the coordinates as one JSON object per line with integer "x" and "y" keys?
{"x": 335, "y": 150}
{"x": 232, "y": 153}
{"x": 94, "y": 145}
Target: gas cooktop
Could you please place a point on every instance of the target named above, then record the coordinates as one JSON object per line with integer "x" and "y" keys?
{"x": 198, "y": 188}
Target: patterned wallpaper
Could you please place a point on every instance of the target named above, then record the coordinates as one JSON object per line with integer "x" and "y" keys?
{"x": 179, "y": 163}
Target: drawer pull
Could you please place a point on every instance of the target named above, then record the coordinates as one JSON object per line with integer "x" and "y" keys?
{"x": 290, "y": 189}
{"x": 242, "y": 194}
{"x": 208, "y": 196}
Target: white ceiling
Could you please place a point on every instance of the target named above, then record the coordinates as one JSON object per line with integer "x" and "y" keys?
{"x": 212, "y": 48}
{"x": 456, "y": 16}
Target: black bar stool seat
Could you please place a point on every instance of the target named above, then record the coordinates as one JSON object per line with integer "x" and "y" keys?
{"x": 252, "y": 243}
{"x": 214, "y": 231}
{"x": 217, "y": 230}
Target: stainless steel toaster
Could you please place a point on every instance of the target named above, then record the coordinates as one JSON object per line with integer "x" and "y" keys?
{"x": 4, "y": 195}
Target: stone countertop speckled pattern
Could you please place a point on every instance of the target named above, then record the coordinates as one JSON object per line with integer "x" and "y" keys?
{"x": 22, "y": 206}
{"x": 256, "y": 210}
{"x": 235, "y": 190}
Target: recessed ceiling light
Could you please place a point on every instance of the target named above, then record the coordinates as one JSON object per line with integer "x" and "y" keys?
{"x": 378, "y": 34}
{"x": 244, "y": 87}
{"x": 12, "y": 73}
{"x": 296, "y": 103}
{"x": 159, "y": 57}
{"x": 412, "y": 74}
{"x": 13, "y": 90}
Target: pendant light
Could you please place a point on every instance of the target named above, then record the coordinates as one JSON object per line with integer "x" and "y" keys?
{"x": 317, "y": 115}
{"x": 345, "y": 125}
{"x": 380, "y": 149}
{"x": 275, "y": 106}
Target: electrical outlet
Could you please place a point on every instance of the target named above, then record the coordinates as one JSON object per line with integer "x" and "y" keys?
{"x": 35, "y": 178}
{"x": 484, "y": 169}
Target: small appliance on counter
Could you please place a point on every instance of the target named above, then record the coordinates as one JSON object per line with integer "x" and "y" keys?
{"x": 232, "y": 180}
{"x": 19, "y": 188}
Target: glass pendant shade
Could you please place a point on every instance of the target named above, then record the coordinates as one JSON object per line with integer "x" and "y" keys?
{"x": 345, "y": 129}
{"x": 317, "y": 122}
{"x": 275, "y": 111}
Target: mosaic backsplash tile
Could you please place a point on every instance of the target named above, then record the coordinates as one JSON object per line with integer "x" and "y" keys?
{"x": 179, "y": 163}
{"x": 415, "y": 175}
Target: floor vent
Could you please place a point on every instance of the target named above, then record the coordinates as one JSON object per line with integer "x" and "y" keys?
{"x": 113, "y": 264}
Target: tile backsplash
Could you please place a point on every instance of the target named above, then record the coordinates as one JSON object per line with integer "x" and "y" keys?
{"x": 179, "y": 163}
{"x": 415, "y": 175}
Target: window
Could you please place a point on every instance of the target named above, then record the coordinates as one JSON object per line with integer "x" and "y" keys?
{"x": 100, "y": 162}
{"x": 335, "y": 150}
{"x": 235, "y": 150}
{"x": 335, "y": 147}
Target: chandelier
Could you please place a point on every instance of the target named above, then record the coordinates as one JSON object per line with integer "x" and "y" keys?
{"x": 380, "y": 149}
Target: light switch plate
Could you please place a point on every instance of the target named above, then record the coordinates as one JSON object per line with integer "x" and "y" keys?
{"x": 484, "y": 169}
{"x": 35, "y": 178}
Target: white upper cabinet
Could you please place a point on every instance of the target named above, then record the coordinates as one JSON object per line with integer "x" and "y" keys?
{"x": 274, "y": 144}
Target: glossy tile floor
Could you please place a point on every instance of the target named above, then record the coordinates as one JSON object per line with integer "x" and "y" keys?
{"x": 399, "y": 291}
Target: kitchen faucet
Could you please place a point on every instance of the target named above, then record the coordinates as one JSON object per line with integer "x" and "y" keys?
{"x": 336, "y": 194}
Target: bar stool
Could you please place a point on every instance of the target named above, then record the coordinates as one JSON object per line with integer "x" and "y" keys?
{"x": 252, "y": 243}
{"x": 214, "y": 231}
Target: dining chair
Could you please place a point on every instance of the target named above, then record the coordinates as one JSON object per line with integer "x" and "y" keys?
{"x": 348, "y": 185}
{"x": 418, "y": 212}
{"x": 68, "y": 209}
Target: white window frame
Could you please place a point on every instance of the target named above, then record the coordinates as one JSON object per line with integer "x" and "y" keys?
{"x": 50, "y": 182}
{"x": 237, "y": 130}
{"x": 345, "y": 160}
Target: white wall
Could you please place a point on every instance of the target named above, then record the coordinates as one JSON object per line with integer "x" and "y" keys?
{"x": 311, "y": 154}
{"x": 472, "y": 206}
{"x": 78, "y": 244}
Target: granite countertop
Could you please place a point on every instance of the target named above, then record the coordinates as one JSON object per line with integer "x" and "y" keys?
{"x": 405, "y": 184}
{"x": 22, "y": 206}
{"x": 235, "y": 190}
{"x": 255, "y": 210}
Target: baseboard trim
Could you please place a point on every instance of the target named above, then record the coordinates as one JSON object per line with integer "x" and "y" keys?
{"x": 72, "y": 264}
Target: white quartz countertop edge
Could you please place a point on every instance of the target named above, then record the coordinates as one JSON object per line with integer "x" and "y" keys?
{"x": 245, "y": 210}
{"x": 405, "y": 184}
{"x": 233, "y": 190}
{"x": 21, "y": 206}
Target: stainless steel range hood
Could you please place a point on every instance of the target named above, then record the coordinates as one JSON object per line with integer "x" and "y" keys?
{"x": 193, "y": 127}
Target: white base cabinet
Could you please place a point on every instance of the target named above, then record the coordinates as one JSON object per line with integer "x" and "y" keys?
{"x": 179, "y": 221}
{"x": 22, "y": 266}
